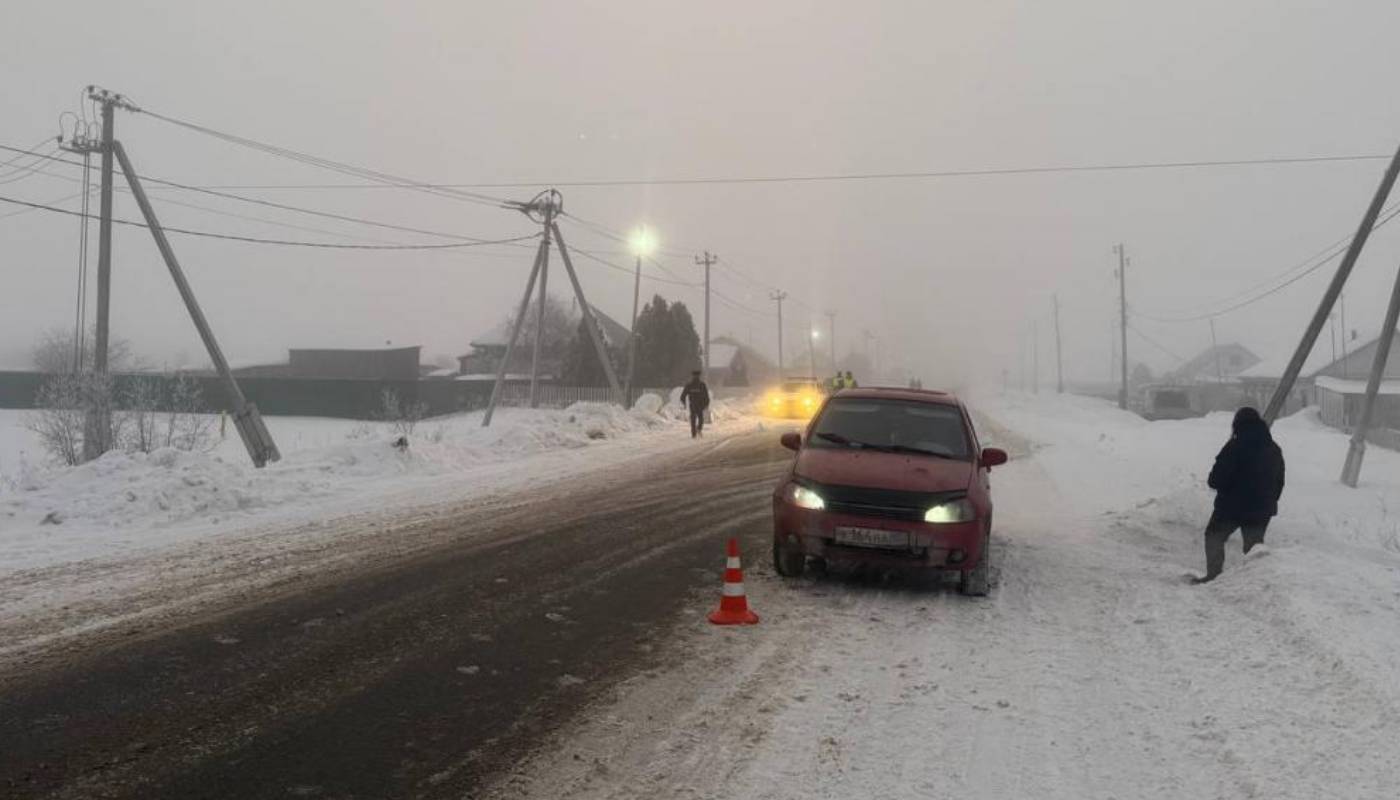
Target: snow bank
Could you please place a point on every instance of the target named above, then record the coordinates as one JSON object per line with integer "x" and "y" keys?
{"x": 51, "y": 513}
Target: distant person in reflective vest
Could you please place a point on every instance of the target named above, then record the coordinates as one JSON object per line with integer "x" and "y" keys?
{"x": 849, "y": 381}
{"x": 696, "y": 398}
{"x": 837, "y": 382}
{"x": 1248, "y": 481}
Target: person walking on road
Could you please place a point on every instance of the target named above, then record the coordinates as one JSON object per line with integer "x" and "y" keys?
{"x": 1248, "y": 481}
{"x": 696, "y": 398}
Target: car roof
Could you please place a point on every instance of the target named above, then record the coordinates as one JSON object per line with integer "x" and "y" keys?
{"x": 934, "y": 396}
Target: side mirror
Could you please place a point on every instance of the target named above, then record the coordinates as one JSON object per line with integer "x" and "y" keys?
{"x": 993, "y": 457}
{"x": 792, "y": 440}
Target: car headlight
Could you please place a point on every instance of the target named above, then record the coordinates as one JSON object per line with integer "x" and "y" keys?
{"x": 802, "y": 497}
{"x": 952, "y": 511}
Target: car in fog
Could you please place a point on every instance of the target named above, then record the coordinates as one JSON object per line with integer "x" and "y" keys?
{"x": 795, "y": 398}
{"x": 891, "y": 477}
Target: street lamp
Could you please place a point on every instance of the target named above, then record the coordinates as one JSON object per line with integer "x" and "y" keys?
{"x": 812, "y": 349}
{"x": 642, "y": 243}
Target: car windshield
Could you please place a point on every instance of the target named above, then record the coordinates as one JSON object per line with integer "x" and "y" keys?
{"x": 899, "y": 426}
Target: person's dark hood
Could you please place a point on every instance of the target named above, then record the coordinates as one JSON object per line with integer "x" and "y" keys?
{"x": 1249, "y": 426}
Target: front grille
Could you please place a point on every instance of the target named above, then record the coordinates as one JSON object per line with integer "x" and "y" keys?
{"x": 888, "y": 512}
{"x": 865, "y": 501}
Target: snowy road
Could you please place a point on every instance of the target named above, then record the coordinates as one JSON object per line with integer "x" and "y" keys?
{"x": 1092, "y": 671}
{"x": 561, "y": 649}
{"x": 415, "y": 674}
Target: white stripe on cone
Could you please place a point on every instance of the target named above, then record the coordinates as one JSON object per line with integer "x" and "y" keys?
{"x": 732, "y": 562}
{"x": 734, "y": 590}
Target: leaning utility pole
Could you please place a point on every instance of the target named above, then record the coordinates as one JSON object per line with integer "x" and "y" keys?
{"x": 97, "y": 434}
{"x": 1329, "y": 298}
{"x": 1351, "y": 470}
{"x": 779, "y": 296}
{"x": 1059, "y": 357}
{"x": 708, "y": 259}
{"x": 545, "y": 208}
{"x": 246, "y": 418}
{"x": 1122, "y": 327}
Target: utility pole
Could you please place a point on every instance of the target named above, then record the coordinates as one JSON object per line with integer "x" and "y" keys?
{"x": 97, "y": 425}
{"x": 1342, "y": 309}
{"x": 1122, "y": 327}
{"x": 1334, "y": 290}
{"x": 548, "y": 212}
{"x": 544, "y": 208}
{"x": 1059, "y": 356}
{"x": 706, "y": 260}
{"x": 812, "y": 349}
{"x": 831, "y": 331}
{"x": 1351, "y": 470}
{"x": 1035, "y": 357}
{"x": 779, "y": 296}
{"x": 632, "y": 333}
{"x": 1215, "y": 348}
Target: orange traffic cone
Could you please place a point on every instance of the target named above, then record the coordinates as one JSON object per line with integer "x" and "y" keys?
{"x": 733, "y": 606}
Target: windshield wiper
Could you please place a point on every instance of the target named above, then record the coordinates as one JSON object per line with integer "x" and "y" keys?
{"x": 837, "y": 438}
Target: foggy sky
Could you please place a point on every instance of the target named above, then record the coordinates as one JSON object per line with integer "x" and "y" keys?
{"x": 951, "y": 274}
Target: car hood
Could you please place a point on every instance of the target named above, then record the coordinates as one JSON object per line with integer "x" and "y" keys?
{"x": 873, "y": 469}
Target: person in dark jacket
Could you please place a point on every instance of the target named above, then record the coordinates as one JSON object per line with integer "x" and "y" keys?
{"x": 696, "y": 398}
{"x": 1248, "y": 481}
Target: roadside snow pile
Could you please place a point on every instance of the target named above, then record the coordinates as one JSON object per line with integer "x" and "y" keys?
{"x": 41, "y": 504}
{"x": 1332, "y": 564}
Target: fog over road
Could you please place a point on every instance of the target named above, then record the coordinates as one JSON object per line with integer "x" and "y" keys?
{"x": 423, "y": 676}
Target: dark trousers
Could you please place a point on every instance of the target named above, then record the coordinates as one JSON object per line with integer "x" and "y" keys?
{"x": 1219, "y": 530}
{"x": 697, "y": 421}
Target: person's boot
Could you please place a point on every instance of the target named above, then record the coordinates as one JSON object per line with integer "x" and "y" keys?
{"x": 1200, "y": 579}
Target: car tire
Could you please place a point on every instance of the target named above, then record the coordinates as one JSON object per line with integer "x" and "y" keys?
{"x": 976, "y": 582}
{"x": 788, "y": 563}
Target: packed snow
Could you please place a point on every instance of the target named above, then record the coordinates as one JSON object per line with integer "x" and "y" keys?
{"x": 123, "y": 503}
{"x": 1092, "y": 671}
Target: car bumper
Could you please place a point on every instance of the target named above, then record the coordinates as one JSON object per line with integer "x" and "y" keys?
{"x": 952, "y": 546}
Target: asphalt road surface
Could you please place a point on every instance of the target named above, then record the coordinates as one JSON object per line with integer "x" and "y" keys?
{"x": 425, "y": 676}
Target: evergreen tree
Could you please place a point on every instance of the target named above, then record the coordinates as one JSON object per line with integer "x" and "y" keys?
{"x": 581, "y": 364}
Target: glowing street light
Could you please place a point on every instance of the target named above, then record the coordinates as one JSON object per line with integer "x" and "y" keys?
{"x": 643, "y": 243}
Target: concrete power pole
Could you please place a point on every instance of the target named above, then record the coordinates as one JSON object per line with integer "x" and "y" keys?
{"x": 1035, "y": 357}
{"x": 1351, "y": 470}
{"x": 779, "y": 296}
{"x": 707, "y": 260}
{"x": 1122, "y": 327}
{"x": 632, "y": 334}
{"x": 97, "y": 428}
{"x": 1334, "y": 290}
{"x": 1059, "y": 356}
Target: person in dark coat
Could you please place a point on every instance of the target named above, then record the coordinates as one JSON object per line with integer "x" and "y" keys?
{"x": 1248, "y": 481}
{"x": 696, "y": 398}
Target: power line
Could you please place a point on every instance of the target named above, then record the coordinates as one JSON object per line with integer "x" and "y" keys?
{"x": 1152, "y": 342}
{"x": 265, "y": 203}
{"x": 860, "y": 176}
{"x": 1323, "y": 258}
{"x": 282, "y": 242}
{"x": 382, "y": 178}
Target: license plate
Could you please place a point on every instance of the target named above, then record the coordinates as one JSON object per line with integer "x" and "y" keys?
{"x": 872, "y": 537}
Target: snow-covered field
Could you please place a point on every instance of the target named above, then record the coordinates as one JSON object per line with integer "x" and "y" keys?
{"x": 122, "y": 504}
{"x": 1093, "y": 670}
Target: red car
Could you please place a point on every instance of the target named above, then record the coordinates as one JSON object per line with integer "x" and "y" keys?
{"x": 893, "y": 477}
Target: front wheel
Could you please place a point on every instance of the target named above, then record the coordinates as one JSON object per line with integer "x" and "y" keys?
{"x": 788, "y": 563}
{"x": 977, "y": 581}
